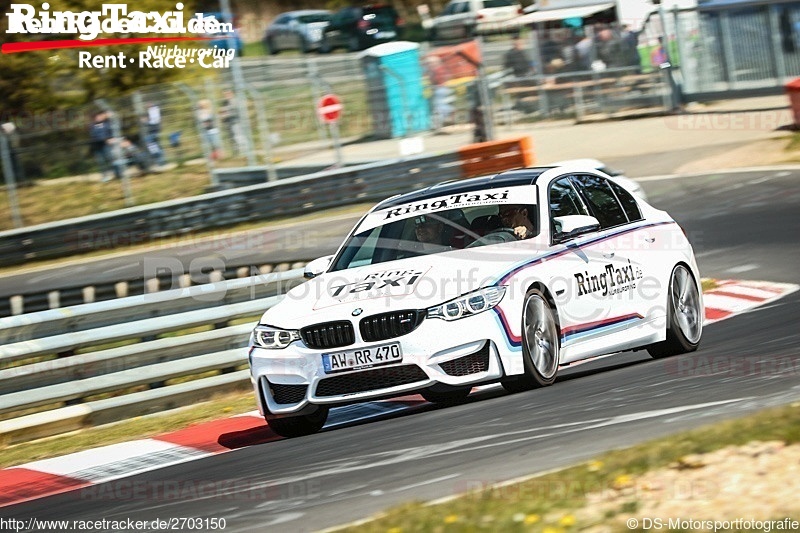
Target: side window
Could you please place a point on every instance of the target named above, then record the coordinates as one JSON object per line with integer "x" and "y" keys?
{"x": 601, "y": 200}
{"x": 628, "y": 202}
{"x": 564, "y": 200}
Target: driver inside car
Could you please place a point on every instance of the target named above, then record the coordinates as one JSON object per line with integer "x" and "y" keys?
{"x": 515, "y": 216}
{"x": 429, "y": 231}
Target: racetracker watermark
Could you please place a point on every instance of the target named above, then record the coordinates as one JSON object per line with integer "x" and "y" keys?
{"x": 768, "y": 120}
{"x": 118, "y": 524}
{"x": 245, "y": 489}
{"x": 691, "y": 524}
{"x": 734, "y": 366}
{"x": 577, "y": 491}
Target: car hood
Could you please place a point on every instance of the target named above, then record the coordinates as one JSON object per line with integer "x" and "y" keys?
{"x": 414, "y": 283}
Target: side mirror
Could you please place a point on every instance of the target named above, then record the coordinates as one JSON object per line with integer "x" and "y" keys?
{"x": 317, "y": 267}
{"x": 571, "y": 226}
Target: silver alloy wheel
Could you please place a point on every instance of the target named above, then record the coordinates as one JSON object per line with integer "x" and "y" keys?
{"x": 540, "y": 336}
{"x": 686, "y": 304}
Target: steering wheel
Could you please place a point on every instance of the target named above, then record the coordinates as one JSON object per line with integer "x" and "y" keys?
{"x": 496, "y": 236}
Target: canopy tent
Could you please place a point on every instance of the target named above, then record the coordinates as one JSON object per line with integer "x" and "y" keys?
{"x": 563, "y": 13}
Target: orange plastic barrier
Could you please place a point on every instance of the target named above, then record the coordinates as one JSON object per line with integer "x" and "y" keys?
{"x": 496, "y": 156}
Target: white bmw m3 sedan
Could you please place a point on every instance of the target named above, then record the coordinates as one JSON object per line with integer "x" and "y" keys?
{"x": 505, "y": 278}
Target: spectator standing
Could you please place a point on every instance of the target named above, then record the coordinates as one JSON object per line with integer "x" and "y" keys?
{"x": 658, "y": 56}
{"x": 630, "y": 43}
{"x": 205, "y": 117}
{"x": 102, "y": 146}
{"x": 153, "y": 133}
{"x": 583, "y": 52}
{"x": 438, "y": 76}
{"x": 229, "y": 114}
{"x": 517, "y": 61}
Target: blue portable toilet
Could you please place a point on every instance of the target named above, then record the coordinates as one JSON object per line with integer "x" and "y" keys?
{"x": 396, "y": 91}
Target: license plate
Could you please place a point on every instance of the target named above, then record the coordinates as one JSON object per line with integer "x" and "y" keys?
{"x": 362, "y": 358}
{"x": 385, "y": 35}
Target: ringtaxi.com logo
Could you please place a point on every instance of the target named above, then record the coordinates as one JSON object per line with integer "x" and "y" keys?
{"x": 150, "y": 28}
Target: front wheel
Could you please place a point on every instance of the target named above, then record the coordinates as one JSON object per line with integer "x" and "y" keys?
{"x": 298, "y": 426}
{"x": 684, "y": 316}
{"x": 540, "y": 345}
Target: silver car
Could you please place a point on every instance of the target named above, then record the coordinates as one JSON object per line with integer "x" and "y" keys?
{"x": 296, "y": 30}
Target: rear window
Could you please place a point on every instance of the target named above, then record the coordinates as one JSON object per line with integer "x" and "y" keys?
{"x": 497, "y": 3}
{"x": 308, "y": 19}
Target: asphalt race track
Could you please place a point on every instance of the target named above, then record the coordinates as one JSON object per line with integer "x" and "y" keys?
{"x": 745, "y": 225}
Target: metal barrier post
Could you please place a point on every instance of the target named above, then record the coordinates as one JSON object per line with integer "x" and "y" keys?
{"x": 777, "y": 50}
{"x": 312, "y": 71}
{"x": 263, "y": 131}
{"x": 11, "y": 184}
{"x": 239, "y": 86}
{"x": 192, "y": 96}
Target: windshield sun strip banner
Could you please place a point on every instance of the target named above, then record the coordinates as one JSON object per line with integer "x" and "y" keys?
{"x": 525, "y": 195}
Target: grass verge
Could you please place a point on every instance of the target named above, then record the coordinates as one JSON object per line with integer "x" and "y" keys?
{"x": 553, "y": 502}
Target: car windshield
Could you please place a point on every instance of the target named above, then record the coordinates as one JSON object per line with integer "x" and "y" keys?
{"x": 316, "y": 17}
{"x": 431, "y": 233}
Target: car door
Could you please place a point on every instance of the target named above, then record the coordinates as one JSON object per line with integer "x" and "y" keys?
{"x": 333, "y": 33}
{"x": 573, "y": 263}
{"x": 616, "y": 271}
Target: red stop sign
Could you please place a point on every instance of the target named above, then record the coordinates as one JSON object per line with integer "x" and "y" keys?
{"x": 329, "y": 108}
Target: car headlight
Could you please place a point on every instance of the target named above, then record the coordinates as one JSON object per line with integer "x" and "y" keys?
{"x": 273, "y": 338}
{"x": 469, "y": 304}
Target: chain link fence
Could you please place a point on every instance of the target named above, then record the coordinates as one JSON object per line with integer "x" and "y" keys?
{"x": 552, "y": 71}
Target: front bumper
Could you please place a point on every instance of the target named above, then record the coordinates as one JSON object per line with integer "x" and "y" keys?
{"x": 459, "y": 353}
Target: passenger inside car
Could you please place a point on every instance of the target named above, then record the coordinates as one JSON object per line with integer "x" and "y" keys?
{"x": 516, "y": 217}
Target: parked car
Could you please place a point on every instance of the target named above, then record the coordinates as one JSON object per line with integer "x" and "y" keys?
{"x": 296, "y": 30}
{"x": 357, "y": 28}
{"x": 465, "y": 18}
{"x": 505, "y": 278}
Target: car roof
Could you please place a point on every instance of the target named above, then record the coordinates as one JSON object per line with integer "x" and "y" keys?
{"x": 510, "y": 178}
{"x": 306, "y": 12}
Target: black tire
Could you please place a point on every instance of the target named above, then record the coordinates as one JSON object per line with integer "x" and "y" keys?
{"x": 324, "y": 46}
{"x": 271, "y": 49}
{"x": 353, "y": 43}
{"x": 304, "y": 46}
{"x": 541, "y": 345}
{"x": 450, "y": 397}
{"x": 684, "y": 316}
{"x": 299, "y": 426}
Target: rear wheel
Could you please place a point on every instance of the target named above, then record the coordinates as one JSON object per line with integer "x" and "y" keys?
{"x": 684, "y": 316}
{"x": 271, "y": 48}
{"x": 450, "y": 397}
{"x": 540, "y": 345}
{"x": 324, "y": 46}
{"x": 298, "y": 426}
{"x": 353, "y": 43}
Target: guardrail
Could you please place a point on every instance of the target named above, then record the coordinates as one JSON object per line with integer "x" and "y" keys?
{"x": 89, "y": 292}
{"x": 288, "y": 197}
{"x": 63, "y": 369}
